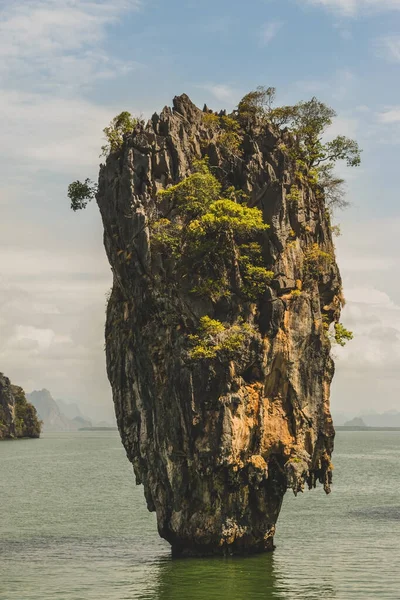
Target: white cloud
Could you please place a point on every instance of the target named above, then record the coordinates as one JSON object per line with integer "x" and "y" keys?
{"x": 390, "y": 115}
{"x": 222, "y": 92}
{"x": 52, "y": 335}
{"x": 338, "y": 86}
{"x": 54, "y": 40}
{"x": 269, "y": 31}
{"x": 30, "y": 123}
{"x": 375, "y": 320}
{"x": 389, "y": 47}
{"x": 42, "y": 338}
{"x": 53, "y": 269}
{"x": 351, "y": 8}
{"x": 368, "y": 253}
{"x": 51, "y": 51}
{"x": 368, "y": 295}
{"x": 343, "y": 125}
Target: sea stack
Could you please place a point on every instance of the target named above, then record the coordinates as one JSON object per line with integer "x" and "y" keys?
{"x": 221, "y": 393}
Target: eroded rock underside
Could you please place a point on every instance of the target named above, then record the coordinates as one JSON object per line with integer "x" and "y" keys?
{"x": 18, "y": 418}
{"x": 217, "y": 443}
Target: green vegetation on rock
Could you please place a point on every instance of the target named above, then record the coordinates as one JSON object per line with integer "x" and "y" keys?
{"x": 306, "y": 124}
{"x": 339, "y": 334}
{"x": 342, "y": 335}
{"x": 316, "y": 262}
{"x": 228, "y": 131}
{"x": 207, "y": 231}
{"x": 18, "y": 418}
{"x": 303, "y": 127}
{"x": 114, "y": 133}
{"x": 214, "y": 339}
{"x": 27, "y": 423}
{"x": 212, "y": 236}
{"x": 80, "y": 193}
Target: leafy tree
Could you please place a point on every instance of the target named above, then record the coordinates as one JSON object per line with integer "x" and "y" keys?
{"x": 339, "y": 335}
{"x": 212, "y": 236}
{"x": 316, "y": 262}
{"x": 333, "y": 187}
{"x": 119, "y": 126}
{"x": 256, "y": 104}
{"x": 227, "y": 132}
{"x": 80, "y": 193}
{"x": 213, "y": 338}
{"x": 191, "y": 196}
{"x": 307, "y": 123}
{"x": 342, "y": 335}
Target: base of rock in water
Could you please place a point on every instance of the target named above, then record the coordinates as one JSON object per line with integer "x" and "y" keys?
{"x": 236, "y": 549}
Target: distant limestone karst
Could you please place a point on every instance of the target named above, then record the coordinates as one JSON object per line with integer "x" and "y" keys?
{"x": 54, "y": 419}
{"x": 356, "y": 422}
{"x": 18, "y": 417}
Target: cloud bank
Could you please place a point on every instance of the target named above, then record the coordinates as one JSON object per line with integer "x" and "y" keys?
{"x": 351, "y": 8}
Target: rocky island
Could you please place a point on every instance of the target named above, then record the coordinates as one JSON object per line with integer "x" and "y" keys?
{"x": 226, "y": 298}
{"x": 52, "y": 417}
{"x": 18, "y": 418}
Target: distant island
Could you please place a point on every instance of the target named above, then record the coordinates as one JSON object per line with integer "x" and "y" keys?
{"x": 98, "y": 429}
{"x": 355, "y": 428}
{"x": 358, "y": 424}
{"x": 59, "y": 416}
{"x": 372, "y": 421}
{"x": 54, "y": 420}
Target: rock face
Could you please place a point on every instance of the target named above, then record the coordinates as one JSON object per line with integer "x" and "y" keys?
{"x": 18, "y": 418}
{"x": 217, "y": 443}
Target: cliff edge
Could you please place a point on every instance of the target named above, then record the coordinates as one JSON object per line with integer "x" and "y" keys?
{"x": 18, "y": 418}
{"x": 219, "y": 363}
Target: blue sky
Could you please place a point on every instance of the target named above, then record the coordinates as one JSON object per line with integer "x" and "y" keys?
{"x": 67, "y": 67}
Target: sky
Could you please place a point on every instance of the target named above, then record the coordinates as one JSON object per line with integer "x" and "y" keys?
{"x": 67, "y": 67}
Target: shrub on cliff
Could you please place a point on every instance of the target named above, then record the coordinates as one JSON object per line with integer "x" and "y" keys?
{"x": 80, "y": 193}
{"x": 342, "y": 335}
{"x": 316, "y": 262}
{"x": 27, "y": 423}
{"x": 228, "y": 131}
{"x": 307, "y": 123}
{"x": 114, "y": 132}
{"x": 214, "y": 339}
{"x": 211, "y": 236}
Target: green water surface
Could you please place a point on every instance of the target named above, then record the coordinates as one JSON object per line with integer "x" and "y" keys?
{"x": 73, "y": 526}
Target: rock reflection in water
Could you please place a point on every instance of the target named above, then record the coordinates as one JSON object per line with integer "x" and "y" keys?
{"x": 252, "y": 578}
{"x": 201, "y": 579}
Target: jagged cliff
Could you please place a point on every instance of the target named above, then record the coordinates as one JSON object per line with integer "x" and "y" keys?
{"x": 18, "y": 418}
{"x": 217, "y": 441}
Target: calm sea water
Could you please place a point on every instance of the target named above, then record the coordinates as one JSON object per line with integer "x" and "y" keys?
{"x": 73, "y": 526}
